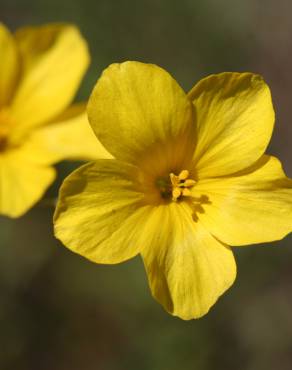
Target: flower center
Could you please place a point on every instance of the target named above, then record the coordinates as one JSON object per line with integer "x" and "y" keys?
{"x": 5, "y": 128}
{"x": 176, "y": 186}
{"x": 3, "y": 143}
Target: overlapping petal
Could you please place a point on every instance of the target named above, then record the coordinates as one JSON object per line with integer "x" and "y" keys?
{"x": 22, "y": 182}
{"x": 70, "y": 137}
{"x": 188, "y": 269}
{"x": 100, "y": 212}
{"x": 54, "y": 59}
{"x": 252, "y": 207}
{"x": 135, "y": 106}
{"x": 235, "y": 119}
{"x": 9, "y": 65}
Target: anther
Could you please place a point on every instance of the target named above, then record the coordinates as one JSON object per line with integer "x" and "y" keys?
{"x": 189, "y": 183}
{"x": 184, "y": 174}
{"x": 181, "y": 184}
{"x": 176, "y": 193}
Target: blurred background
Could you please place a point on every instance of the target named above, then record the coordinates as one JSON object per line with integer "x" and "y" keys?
{"x": 59, "y": 311}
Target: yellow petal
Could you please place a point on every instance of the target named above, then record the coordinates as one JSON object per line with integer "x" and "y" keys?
{"x": 55, "y": 58}
{"x": 70, "y": 137}
{"x": 235, "y": 119}
{"x": 22, "y": 182}
{"x": 188, "y": 269}
{"x": 8, "y": 65}
{"x": 253, "y": 207}
{"x": 136, "y": 106}
{"x": 99, "y": 213}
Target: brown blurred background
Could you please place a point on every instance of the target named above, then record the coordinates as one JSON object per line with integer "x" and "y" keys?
{"x": 61, "y": 312}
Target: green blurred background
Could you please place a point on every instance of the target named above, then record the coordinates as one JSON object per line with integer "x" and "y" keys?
{"x": 59, "y": 311}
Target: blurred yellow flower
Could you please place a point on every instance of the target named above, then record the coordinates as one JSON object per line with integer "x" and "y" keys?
{"x": 189, "y": 179}
{"x": 41, "y": 69}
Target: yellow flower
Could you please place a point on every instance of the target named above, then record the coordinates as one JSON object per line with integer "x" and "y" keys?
{"x": 189, "y": 179}
{"x": 41, "y": 69}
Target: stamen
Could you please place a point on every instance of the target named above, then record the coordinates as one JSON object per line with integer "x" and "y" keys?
{"x": 176, "y": 193}
{"x": 184, "y": 174}
{"x": 174, "y": 179}
{"x": 181, "y": 184}
{"x": 189, "y": 183}
{"x": 176, "y": 186}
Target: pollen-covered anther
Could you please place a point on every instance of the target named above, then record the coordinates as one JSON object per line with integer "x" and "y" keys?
{"x": 181, "y": 185}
